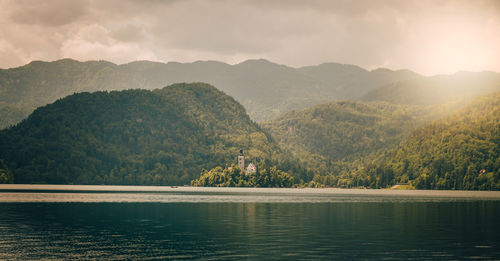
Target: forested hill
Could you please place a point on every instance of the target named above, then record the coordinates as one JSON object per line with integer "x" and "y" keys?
{"x": 333, "y": 138}
{"x": 165, "y": 136}
{"x": 379, "y": 144}
{"x": 461, "y": 151}
{"x": 265, "y": 89}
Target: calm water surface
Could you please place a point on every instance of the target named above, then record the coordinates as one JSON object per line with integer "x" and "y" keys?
{"x": 118, "y": 222}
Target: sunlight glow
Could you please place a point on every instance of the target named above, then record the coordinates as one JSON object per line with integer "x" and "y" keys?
{"x": 451, "y": 44}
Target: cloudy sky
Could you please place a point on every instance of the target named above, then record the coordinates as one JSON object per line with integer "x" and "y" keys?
{"x": 429, "y": 37}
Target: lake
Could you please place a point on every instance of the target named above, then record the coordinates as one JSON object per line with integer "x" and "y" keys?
{"x": 186, "y": 223}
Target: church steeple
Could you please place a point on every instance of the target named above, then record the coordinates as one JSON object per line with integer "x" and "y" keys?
{"x": 241, "y": 161}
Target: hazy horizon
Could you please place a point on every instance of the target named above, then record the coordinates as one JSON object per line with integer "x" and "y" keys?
{"x": 255, "y": 59}
{"x": 427, "y": 37}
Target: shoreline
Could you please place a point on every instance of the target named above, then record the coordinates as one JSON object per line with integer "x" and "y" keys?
{"x": 33, "y": 188}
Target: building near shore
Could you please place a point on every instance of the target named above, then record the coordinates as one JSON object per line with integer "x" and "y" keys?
{"x": 241, "y": 161}
{"x": 251, "y": 168}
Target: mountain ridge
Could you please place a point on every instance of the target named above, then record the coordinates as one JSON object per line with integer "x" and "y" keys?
{"x": 265, "y": 89}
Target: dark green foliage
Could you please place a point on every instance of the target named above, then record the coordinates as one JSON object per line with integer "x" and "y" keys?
{"x": 134, "y": 137}
{"x": 6, "y": 175}
{"x": 461, "y": 151}
{"x": 234, "y": 177}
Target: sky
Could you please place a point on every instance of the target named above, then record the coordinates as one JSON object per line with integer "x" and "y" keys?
{"x": 428, "y": 37}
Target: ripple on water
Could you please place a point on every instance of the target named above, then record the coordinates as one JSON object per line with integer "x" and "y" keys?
{"x": 247, "y": 225}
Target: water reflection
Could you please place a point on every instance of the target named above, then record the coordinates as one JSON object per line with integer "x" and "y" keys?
{"x": 383, "y": 230}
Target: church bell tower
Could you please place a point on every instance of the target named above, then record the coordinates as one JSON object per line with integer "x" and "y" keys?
{"x": 241, "y": 161}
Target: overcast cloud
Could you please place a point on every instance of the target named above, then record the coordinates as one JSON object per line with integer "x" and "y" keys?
{"x": 428, "y": 37}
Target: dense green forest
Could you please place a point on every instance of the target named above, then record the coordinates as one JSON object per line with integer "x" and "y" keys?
{"x": 461, "y": 151}
{"x": 165, "y": 136}
{"x": 264, "y": 88}
{"x": 269, "y": 177}
{"x": 337, "y": 137}
{"x": 378, "y": 144}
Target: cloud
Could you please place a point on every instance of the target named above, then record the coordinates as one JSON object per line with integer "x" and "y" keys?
{"x": 129, "y": 33}
{"x": 10, "y": 55}
{"x": 95, "y": 42}
{"x": 421, "y": 35}
{"x": 47, "y": 12}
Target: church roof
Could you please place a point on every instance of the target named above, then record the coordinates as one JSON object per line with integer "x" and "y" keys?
{"x": 251, "y": 168}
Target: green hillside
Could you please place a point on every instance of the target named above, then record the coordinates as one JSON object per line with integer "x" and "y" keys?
{"x": 264, "y": 88}
{"x": 335, "y": 137}
{"x": 461, "y": 151}
{"x": 165, "y": 136}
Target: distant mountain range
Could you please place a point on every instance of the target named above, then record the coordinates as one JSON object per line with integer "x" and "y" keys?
{"x": 265, "y": 89}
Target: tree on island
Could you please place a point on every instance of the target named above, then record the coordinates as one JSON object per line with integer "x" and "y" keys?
{"x": 6, "y": 175}
{"x": 235, "y": 177}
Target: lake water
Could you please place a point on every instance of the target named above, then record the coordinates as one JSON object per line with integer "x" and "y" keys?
{"x": 123, "y": 222}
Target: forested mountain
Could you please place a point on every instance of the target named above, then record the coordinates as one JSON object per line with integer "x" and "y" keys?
{"x": 164, "y": 136}
{"x": 335, "y": 137}
{"x": 264, "y": 88}
{"x": 167, "y": 136}
{"x": 437, "y": 89}
{"x": 461, "y": 151}
{"x": 378, "y": 144}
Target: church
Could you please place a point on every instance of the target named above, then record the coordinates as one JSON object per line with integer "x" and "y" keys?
{"x": 241, "y": 164}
